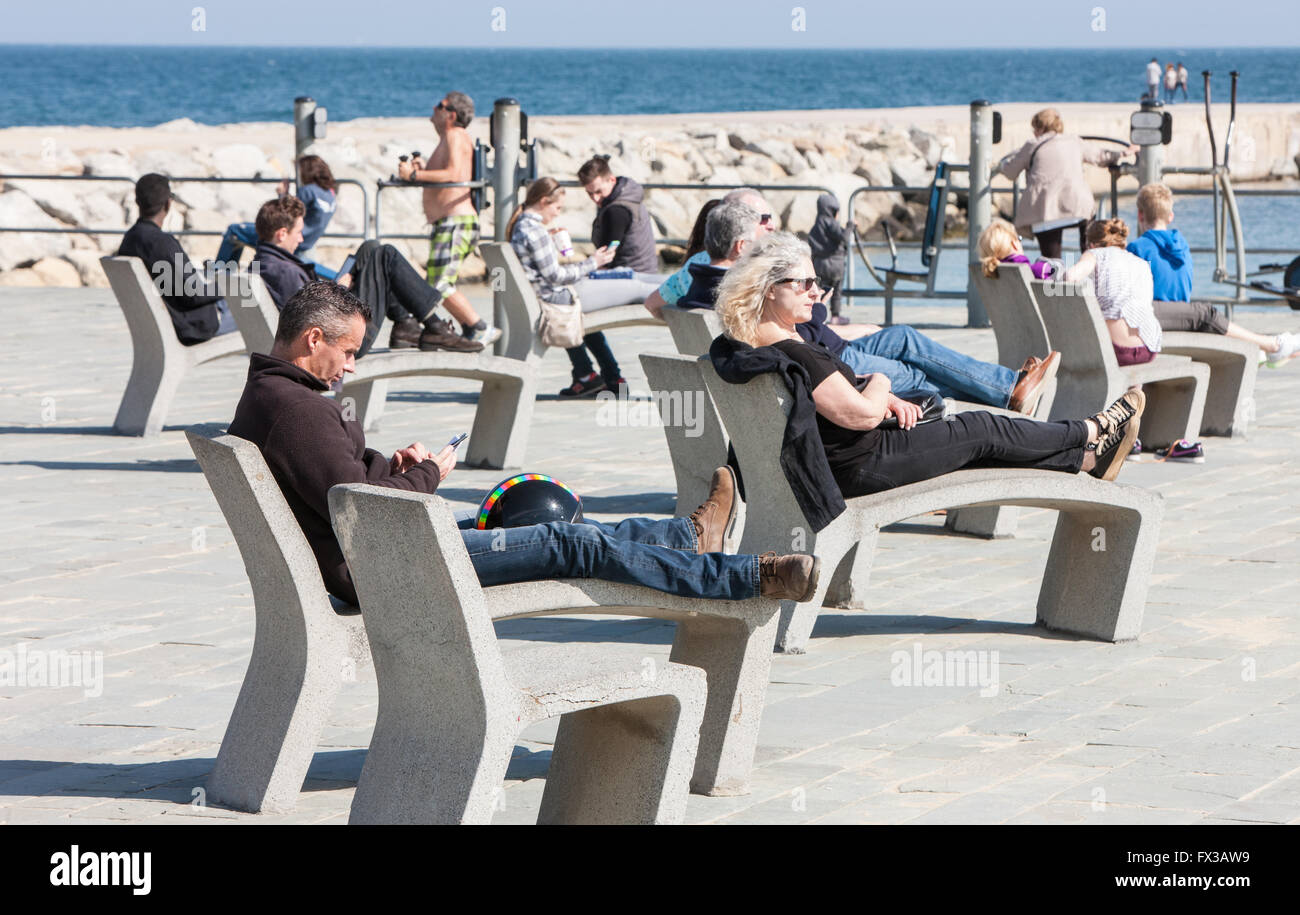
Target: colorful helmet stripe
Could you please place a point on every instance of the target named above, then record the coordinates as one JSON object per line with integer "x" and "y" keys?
{"x": 495, "y": 495}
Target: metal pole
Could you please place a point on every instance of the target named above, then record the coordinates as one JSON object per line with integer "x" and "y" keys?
{"x": 303, "y": 140}
{"x": 1151, "y": 159}
{"x": 505, "y": 132}
{"x": 979, "y": 206}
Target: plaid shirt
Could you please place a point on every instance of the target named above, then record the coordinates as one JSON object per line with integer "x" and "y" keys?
{"x": 541, "y": 261}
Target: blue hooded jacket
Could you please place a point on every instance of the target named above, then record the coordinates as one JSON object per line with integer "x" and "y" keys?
{"x": 1171, "y": 263}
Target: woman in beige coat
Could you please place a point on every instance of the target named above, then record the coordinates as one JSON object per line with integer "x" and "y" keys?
{"x": 1056, "y": 195}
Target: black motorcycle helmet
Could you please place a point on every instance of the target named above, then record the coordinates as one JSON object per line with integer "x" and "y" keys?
{"x": 528, "y": 498}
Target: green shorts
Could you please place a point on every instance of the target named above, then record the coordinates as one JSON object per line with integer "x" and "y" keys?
{"x": 453, "y": 240}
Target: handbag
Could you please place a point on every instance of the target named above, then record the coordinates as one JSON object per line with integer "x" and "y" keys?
{"x": 932, "y": 407}
{"x": 561, "y": 325}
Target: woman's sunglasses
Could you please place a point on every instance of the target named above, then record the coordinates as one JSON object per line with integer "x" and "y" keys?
{"x": 800, "y": 283}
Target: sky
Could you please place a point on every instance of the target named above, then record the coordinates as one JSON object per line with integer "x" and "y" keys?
{"x": 790, "y": 24}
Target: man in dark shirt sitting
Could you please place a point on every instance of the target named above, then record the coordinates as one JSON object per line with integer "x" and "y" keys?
{"x": 197, "y": 312}
{"x": 310, "y": 445}
{"x": 380, "y": 276}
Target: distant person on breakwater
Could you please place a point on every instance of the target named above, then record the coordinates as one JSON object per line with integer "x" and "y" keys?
{"x": 623, "y": 225}
{"x": 450, "y": 210}
{"x": 1056, "y": 195}
{"x": 198, "y": 313}
{"x": 380, "y": 277}
{"x": 1182, "y": 79}
{"x": 1153, "y": 80}
{"x": 1171, "y": 82}
{"x": 671, "y": 290}
{"x": 316, "y": 191}
{"x": 829, "y": 243}
{"x": 1165, "y": 249}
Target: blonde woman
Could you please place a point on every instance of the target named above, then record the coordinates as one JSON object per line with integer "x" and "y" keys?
{"x": 999, "y": 244}
{"x": 771, "y": 290}
{"x": 1056, "y": 195}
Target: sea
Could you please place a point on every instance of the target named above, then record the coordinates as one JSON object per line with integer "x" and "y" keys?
{"x": 120, "y": 86}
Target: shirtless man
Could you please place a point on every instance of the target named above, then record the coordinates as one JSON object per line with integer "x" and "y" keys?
{"x": 450, "y": 210}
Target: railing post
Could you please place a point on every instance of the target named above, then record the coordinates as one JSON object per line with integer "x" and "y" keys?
{"x": 1151, "y": 159}
{"x": 304, "y": 130}
{"x": 979, "y": 205}
{"x": 504, "y": 134}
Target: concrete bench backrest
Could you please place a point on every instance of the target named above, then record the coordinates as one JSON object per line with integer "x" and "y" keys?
{"x": 1075, "y": 325}
{"x": 518, "y": 298}
{"x": 281, "y": 567}
{"x": 754, "y": 417}
{"x": 1011, "y": 308}
{"x": 254, "y": 312}
{"x": 693, "y": 329}
{"x": 146, "y": 315}
{"x": 427, "y": 614}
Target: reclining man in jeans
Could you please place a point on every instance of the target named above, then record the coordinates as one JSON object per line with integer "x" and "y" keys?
{"x": 911, "y": 361}
{"x": 310, "y": 447}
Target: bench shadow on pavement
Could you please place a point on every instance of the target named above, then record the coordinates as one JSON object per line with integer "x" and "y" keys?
{"x": 179, "y": 465}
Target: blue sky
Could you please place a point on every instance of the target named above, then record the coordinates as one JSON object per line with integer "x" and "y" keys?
{"x": 659, "y": 23}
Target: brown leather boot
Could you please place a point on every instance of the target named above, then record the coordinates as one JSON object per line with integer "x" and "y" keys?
{"x": 714, "y": 519}
{"x": 792, "y": 577}
{"x": 1035, "y": 375}
{"x": 405, "y": 334}
{"x": 438, "y": 335}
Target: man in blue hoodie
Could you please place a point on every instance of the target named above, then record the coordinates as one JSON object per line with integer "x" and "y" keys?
{"x": 1165, "y": 249}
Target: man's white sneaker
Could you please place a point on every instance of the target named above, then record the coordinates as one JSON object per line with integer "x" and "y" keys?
{"x": 1288, "y": 346}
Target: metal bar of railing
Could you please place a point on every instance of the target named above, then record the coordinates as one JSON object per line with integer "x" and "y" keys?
{"x": 383, "y": 185}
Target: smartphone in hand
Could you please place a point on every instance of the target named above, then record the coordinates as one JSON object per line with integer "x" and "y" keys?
{"x": 456, "y": 442}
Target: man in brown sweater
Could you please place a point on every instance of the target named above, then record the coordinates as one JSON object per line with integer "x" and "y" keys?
{"x": 310, "y": 444}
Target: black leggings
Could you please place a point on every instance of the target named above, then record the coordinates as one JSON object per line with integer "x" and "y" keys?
{"x": 966, "y": 440}
{"x": 1049, "y": 242}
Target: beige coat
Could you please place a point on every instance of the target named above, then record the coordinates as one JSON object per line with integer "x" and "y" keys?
{"x": 1055, "y": 187}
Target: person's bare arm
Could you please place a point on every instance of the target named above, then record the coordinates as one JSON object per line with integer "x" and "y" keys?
{"x": 856, "y": 331}
{"x": 460, "y": 152}
{"x": 654, "y": 303}
{"x": 844, "y": 405}
{"x": 1082, "y": 269}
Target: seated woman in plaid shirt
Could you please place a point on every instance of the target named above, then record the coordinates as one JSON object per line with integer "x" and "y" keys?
{"x": 541, "y": 262}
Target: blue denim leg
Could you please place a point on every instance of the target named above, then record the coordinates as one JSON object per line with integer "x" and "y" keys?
{"x": 901, "y": 377}
{"x": 238, "y": 235}
{"x": 637, "y": 551}
{"x": 225, "y": 320}
{"x": 952, "y": 373}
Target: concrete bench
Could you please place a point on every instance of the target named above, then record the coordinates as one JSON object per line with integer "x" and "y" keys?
{"x": 306, "y": 641}
{"x": 730, "y": 640}
{"x": 1099, "y": 593}
{"x": 520, "y": 339}
{"x": 159, "y": 360}
{"x": 1090, "y": 377}
{"x": 1012, "y": 304}
{"x": 451, "y": 705}
{"x": 693, "y": 330}
{"x": 499, "y": 436}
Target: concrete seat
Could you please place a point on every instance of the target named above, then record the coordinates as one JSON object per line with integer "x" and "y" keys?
{"x": 450, "y": 707}
{"x": 519, "y": 337}
{"x": 159, "y": 360}
{"x": 1099, "y": 593}
{"x": 499, "y": 436}
{"x": 1090, "y": 377}
{"x": 306, "y": 641}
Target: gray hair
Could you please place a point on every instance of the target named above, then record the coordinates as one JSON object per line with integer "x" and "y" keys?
{"x": 745, "y": 286}
{"x": 325, "y": 305}
{"x": 463, "y": 105}
{"x": 730, "y": 222}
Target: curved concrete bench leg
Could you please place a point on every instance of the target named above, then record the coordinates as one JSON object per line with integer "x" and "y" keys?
{"x": 368, "y": 399}
{"x": 275, "y": 727}
{"x": 1095, "y": 582}
{"x": 995, "y": 522}
{"x": 739, "y": 669}
{"x": 846, "y": 568}
{"x": 638, "y": 777}
{"x": 1174, "y": 409}
{"x": 499, "y": 436}
{"x": 148, "y": 395}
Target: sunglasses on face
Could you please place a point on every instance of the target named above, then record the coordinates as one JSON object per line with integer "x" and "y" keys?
{"x": 765, "y": 219}
{"x": 441, "y": 107}
{"x": 800, "y": 283}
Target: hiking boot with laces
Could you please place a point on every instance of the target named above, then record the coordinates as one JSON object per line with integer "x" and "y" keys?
{"x": 715, "y": 518}
{"x": 792, "y": 577}
{"x": 1120, "y": 412}
{"x": 438, "y": 335}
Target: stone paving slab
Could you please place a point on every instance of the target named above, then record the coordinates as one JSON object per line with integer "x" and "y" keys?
{"x": 115, "y": 546}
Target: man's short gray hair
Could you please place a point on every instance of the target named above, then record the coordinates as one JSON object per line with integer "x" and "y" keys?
{"x": 730, "y": 222}
{"x": 325, "y": 305}
{"x": 463, "y": 105}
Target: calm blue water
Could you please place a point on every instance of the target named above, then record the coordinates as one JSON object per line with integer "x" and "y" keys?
{"x": 133, "y": 87}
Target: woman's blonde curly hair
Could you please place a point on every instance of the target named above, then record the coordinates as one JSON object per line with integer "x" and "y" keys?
{"x": 743, "y": 290}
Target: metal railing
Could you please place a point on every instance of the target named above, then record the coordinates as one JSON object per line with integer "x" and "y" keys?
{"x": 384, "y": 184}
{"x": 365, "y": 203}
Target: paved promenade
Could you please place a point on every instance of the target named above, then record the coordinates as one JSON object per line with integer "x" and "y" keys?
{"x": 113, "y": 550}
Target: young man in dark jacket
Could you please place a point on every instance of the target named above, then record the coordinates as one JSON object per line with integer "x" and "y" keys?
{"x": 198, "y": 313}
{"x": 621, "y": 216}
{"x": 381, "y": 276}
{"x": 310, "y": 445}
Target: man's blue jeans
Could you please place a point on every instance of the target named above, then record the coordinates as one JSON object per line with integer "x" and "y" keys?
{"x": 635, "y": 551}
{"x": 914, "y": 362}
